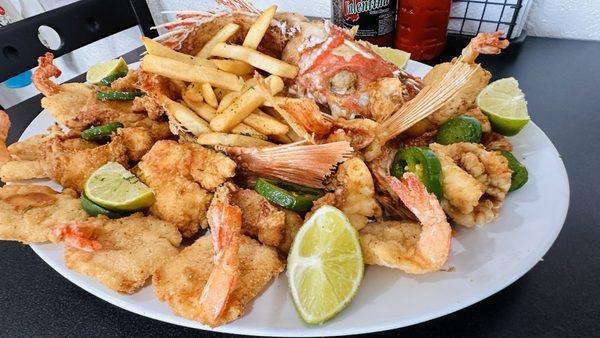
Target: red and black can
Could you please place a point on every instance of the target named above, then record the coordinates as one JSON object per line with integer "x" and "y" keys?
{"x": 375, "y": 19}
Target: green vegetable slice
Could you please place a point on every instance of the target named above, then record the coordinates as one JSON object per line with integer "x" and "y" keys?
{"x": 424, "y": 163}
{"x": 292, "y": 200}
{"x": 112, "y": 77}
{"x": 519, "y": 172}
{"x": 105, "y": 95}
{"x": 94, "y": 209}
{"x": 459, "y": 129}
{"x": 101, "y": 133}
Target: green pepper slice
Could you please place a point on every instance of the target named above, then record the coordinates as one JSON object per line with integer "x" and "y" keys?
{"x": 459, "y": 129}
{"x": 519, "y": 173}
{"x": 104, "y": 95}
{"x": 291, "y": 200}
{"x": 424, "y": 163}
{"x": 111, "y": 78}
{"x": 101, "y": 133}
{"x": 94, "y": 209}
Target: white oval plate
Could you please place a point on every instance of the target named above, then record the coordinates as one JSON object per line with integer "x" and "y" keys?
{"x": 483, "y": 260}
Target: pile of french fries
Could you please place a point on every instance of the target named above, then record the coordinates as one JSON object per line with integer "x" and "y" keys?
{"x": 221, "y": 100}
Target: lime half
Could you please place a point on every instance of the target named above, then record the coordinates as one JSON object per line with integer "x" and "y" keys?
{"x": 114, "y": 187}
{"x": 325, "y": 265}
{"x": 111, "y": 69}
{"x": 505, "y": 105}
{"x": 396, "y": 56}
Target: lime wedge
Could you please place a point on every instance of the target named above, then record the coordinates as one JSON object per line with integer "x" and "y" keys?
{"x": 111, "y": 69}
{"x": 325, "y": 265}
{"x": 115, "y": 188}
{"x": 396, "y": 56}
{"x": 505, "y": 105}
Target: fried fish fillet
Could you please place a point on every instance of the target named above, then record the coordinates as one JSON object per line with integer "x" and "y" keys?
{"x": 260, "y": 218}
{"x": 182, "y": 176}
{"x": 180, "y": 281}
{"x": 27, "y": 212}
{"x": 132, "y": 248}
{"x": 70, "y": 162}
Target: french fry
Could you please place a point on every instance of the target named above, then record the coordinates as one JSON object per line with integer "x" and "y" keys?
{"x": 208, "y": 113}
{"x": 244, "y": 105}
{"x": 233, "y": 66}
{"x": 259, "y": 28}
{"x": 231, "y": 140}
{"x": 256, "y": 59}
{"x": 158, "y": 49}
{"x": 190, "y": 73}
{"x": 209, "y": 95}
{"x": 221, "y": 36}
{"x": 265, "y": 123}
{"x": 227, "y": 100}
{"x": 186, "y": 117}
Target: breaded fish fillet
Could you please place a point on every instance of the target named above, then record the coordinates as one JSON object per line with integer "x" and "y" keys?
{"x": 260, "y": 218}
{"x": 132, "y": 249}
{"x": 27, "y": 212}
{"x": 70, "y": 162}
{"x": 180, "y": 281}
{"x": 388, "y": 243}
{"x": 182, "y": 176}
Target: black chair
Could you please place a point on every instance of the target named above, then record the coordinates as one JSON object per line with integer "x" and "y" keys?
{"x": 77, "y": 24}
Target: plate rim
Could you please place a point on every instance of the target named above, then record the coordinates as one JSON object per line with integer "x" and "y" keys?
{"x": 322, "y": 330}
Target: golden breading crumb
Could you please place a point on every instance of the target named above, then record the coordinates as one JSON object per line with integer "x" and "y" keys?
{"x": 390, "y": 243}
{"x": 180, "y": 281}
{"x": 132, "y": 249}
{"x": 27, "y": 212}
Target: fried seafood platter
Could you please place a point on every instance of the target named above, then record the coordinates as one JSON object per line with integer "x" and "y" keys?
{"x": 250, "y": 145}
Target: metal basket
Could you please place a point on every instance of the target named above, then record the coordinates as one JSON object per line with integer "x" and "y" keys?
{"x": 484, "y": 16}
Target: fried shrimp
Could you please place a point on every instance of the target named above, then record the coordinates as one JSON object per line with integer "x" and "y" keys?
{"x": 459, "y": 104}
{"x": 354, "y": 193}
{"x": 41, "y": 76}
{"x": 406, "y": 245}
{"x": 475, "y": 182}
{"x": 225, "y": 224}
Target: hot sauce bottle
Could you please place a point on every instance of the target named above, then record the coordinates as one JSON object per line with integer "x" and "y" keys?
{"x": 375, "y": 19}
{"x": 421, "y": 27}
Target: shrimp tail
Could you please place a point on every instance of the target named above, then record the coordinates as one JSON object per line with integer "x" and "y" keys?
{"x": 41, "y": 76}
{"x": 483, "y": 43}
{"x": 76, "y": 236}
{"x": 225, "y": 224}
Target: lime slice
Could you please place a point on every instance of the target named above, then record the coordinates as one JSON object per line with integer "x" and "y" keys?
{"x": 325, "y": 265}
{"x": 396, "y": 56}
{"x": 114, "y": 187}
{"x": 505, "y": 105}
{"x": 109, "y": 69}
{"x": 94, "y": 209}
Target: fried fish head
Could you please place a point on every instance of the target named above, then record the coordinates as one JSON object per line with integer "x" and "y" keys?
{"x": 132, "y": 248}
{"x": 27, "y": 212}
{"x": 180, "y": 281}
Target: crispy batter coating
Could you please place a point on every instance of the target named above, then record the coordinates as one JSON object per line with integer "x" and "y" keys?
{"x": 180, "y": 281}
{"x": 137, "y": 141}
{"x": 260, "y": 219}
{"x": 70, "y": 162}
{"x": 354, "y": 193}
{"x": 390, "y": 243}
{"x": 15, "y": 171}
{"x": 132, "y": 249}
{"x": 293, "y": 223}
{"x": 27, "y": 212}
{"x": 385, "y": 97}
{"x": 182, "y": 176}
{"x": 475, "y": 182}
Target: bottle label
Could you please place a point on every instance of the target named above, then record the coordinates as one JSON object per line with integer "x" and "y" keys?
{"x": 373, "y": 17}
